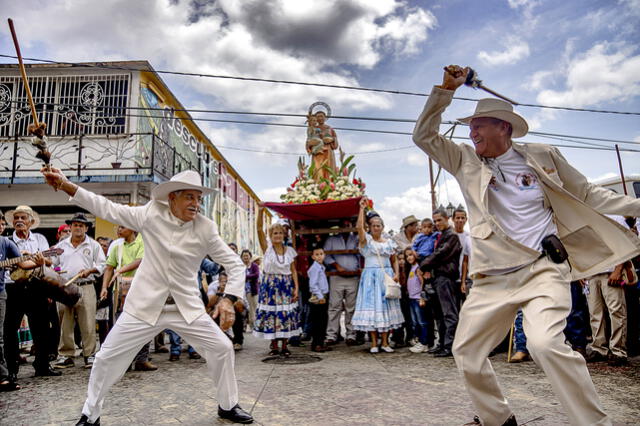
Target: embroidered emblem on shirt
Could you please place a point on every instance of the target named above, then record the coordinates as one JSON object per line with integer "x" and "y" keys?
{"x": 86, "y": 252}
{"x": 493, "y": 184}
{"x": 526, "y": 181}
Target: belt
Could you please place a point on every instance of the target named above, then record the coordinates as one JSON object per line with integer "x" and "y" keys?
{"x": 84, "y": 282}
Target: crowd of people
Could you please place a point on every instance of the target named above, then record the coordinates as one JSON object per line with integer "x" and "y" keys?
{"x": 536, "y": 223}
{"x": 340, "y": 297}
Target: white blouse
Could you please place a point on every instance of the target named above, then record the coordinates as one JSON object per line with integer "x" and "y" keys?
{"x": 274, "y": 263}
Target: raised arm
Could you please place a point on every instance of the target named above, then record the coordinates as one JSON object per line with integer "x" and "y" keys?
{"x": 262, "y": 239}
{"x": 131, "y": 217}
{"x": 362, "y": 234}
{"x": 426, "y": 133}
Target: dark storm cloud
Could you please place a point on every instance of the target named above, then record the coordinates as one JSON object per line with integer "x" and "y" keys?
{"x": 322, "y": 35}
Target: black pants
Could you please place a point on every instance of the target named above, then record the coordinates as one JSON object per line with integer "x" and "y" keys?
{"x": 318, "y": 316}
{"x": 632, "y": 295}
{"x": 26, "y": 299}
{"x": 238, "y": 328}
{"x": 445, "y": 291}
{"x": 53, "y": 320}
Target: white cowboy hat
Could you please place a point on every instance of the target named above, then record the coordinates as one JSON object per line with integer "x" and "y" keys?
{"x": 502, "y": 110}
{"x": 35, "y": 218}
{"x": 188, "y": 179}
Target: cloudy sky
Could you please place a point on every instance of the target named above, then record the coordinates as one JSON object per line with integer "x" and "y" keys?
{"x": 581, "y": 54}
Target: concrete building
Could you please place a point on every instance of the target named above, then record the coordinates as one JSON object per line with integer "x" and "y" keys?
{"x": 116, "y": 128}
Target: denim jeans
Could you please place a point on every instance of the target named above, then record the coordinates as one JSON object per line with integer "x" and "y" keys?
{"x": 4, "y": 372}
{"x": 176, "y": 343}
{"x": 419, "y": 321}
{"x": 576, "y": 329}
{"x": 521, "y": 339}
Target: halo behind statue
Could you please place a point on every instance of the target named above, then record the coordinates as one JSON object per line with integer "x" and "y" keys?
{"x": 324, "y": 105}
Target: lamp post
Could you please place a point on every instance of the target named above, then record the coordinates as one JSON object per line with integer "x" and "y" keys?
{"x": 450, "y": 209}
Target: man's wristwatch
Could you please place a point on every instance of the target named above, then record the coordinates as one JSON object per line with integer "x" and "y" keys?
{"x": 231, "y": 297}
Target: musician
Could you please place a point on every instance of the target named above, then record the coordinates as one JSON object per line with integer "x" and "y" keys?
{"x": 25, "y": 299}
{"x": 82, "y": 257}
{"x": 164, "y": 292}
{"x": 9, "y": 250}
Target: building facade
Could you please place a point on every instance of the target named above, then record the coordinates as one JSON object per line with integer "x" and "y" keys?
{"x": 117, "y": 129}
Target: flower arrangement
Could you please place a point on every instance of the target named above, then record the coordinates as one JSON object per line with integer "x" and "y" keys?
{"x": 340, "y": 185}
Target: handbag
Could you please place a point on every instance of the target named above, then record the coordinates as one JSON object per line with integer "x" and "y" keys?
{"x": 392, "y": 289}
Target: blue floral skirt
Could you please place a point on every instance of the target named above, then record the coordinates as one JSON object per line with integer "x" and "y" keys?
{"x": 277, "y": 315}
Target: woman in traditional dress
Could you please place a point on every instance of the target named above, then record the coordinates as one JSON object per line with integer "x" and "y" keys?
{"x": 277, "y": 316}
{"x": 374, "y": 312}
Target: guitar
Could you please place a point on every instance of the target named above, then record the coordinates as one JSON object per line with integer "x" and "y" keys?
{"x": 46, "y": 253}
{"x": 20, "y": 274}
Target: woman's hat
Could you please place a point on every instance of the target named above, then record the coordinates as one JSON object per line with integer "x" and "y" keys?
{"x": 502, "y": 110}
{"x": 79, "y": 217}
{"x": 186, "y": 180}
{"x": 35, "y": 218}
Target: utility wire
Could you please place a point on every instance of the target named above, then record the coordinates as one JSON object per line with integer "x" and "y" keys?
{"x": 354, "y": 118}
{"x": 303, "y": 83}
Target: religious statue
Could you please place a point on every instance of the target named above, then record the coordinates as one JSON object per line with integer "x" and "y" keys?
{"x": 321, "y": 140}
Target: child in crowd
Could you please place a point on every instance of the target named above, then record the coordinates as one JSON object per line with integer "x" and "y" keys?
{"x": 319, "y": 289}
{"x": 240, "y": 308}
{"x": 416, "y": 301}
{"x": 424, "y": 243}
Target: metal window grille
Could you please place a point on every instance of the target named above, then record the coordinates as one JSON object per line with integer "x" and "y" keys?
{"x": 68, "y": 104}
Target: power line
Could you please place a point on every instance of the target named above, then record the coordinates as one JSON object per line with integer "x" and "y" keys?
{"x": 303, "y": 83}
{"x": 355, "y": 118}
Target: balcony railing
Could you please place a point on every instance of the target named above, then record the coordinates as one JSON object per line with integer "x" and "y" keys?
{"x": 113, "y": 158}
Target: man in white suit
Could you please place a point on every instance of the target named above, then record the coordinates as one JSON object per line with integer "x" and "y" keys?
{"x": 164, "y": 293}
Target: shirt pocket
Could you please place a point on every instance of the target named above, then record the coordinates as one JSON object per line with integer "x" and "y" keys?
{"x": 481, "y": 231}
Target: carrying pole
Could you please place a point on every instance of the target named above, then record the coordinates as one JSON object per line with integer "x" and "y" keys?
{"x": 624, "y": 183}
{"x": 23, "y": 73}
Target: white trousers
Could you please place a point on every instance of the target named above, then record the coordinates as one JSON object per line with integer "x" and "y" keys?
{"x": 543, "y": 292}
{"x": 129, "y": 335}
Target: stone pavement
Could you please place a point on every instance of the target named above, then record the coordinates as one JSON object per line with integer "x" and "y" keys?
{"x": 346, "y": 386}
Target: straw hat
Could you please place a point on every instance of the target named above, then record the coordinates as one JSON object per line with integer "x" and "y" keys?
{"x": 502, "y": 110}
{"x": 409, "y": 220}
{"x": 35, "y": 218}
{"x": 186, "y": 180}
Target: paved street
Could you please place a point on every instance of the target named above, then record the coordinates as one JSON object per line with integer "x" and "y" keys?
{"x": 346, "y": 386}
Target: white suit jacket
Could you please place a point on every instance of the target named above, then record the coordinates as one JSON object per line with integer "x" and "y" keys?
{"x": 173, "y": 251}
{"x": 594, "y": 242}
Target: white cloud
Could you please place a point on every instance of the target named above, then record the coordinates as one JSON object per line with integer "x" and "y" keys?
{"x": 271, "y": 194}
{"x": 603, "y": 73}
{"x": 515, "y": 50}
{"x": 417, "y": 159}
{"x": 514, "y": 4}
{"x": 283, "y": 39}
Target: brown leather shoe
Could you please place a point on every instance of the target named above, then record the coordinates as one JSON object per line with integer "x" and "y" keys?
{"x": 145, "y": 366}
{"x": 173, "y": 357}
{"x": 520, "y": 357}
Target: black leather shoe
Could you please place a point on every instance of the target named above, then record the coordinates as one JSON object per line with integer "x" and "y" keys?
{"x": 84, "y": 421}
{"x": 47, "y": 372}
{"x": 445, "y": 353}
{"x": 434, "y": 350}
{"x": 236, "y": 415}
{"x": 511, "y": 421}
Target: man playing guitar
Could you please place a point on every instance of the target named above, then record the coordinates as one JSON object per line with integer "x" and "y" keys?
{"x": 25, "y": 299}
{"x": 8, "y": 252}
